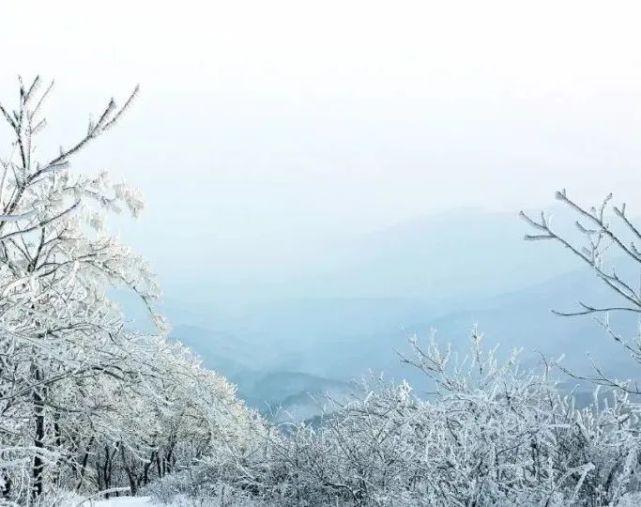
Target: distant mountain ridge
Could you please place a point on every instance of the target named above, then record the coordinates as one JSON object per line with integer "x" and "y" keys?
{"x": 353, "y": 312}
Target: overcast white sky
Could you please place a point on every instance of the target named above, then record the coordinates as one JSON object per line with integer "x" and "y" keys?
{"x": 264, "y": 124}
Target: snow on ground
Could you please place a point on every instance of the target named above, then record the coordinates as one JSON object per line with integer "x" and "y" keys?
{"x": 72, "y": 500}
{"x": 124, "y": 501}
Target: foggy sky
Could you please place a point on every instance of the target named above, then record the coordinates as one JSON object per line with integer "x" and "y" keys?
{"x": 265, "y": 130}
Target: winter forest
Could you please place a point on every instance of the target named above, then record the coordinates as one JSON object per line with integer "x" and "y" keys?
{"x": 290, "y": 268}
{"x": 92, "y": 408}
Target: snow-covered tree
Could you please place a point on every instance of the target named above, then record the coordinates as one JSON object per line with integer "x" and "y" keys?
{"x": 174, "y": 415}
{"x": 86, "y": 403}
{"x": 61, "y": 335}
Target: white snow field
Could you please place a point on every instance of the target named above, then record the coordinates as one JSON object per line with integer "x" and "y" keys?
{"x": 123, "y": 501}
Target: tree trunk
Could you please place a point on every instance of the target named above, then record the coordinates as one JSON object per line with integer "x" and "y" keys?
{"x": 39, "y": 409}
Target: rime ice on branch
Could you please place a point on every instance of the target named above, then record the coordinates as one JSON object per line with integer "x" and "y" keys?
{"x": 85, "y": 402}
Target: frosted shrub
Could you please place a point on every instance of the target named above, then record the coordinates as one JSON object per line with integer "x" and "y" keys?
{"x": 490, "y": 435}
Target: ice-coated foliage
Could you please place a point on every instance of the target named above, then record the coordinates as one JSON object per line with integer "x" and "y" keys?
{"x": 86, "y": 404}
{"x": 491, "y": 435}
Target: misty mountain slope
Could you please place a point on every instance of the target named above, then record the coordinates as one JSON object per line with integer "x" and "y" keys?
{"x": 518, "y": 319}
{"x": 285, "y": 396}
{"x": 524, "y": 320}
{"x": 444, "y": 257}
{"x": 219, "y": 350}
{"x": 439, "y": 258}
{"x": 351, "y": 310}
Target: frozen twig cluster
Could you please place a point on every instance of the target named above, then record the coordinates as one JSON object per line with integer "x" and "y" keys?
{"x": 609, "y": 243}
{"x": 491, "y": 435}
{"x": 86, "y": 404}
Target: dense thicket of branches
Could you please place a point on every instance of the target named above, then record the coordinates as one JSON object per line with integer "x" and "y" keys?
{"x": 491, "y": 435}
